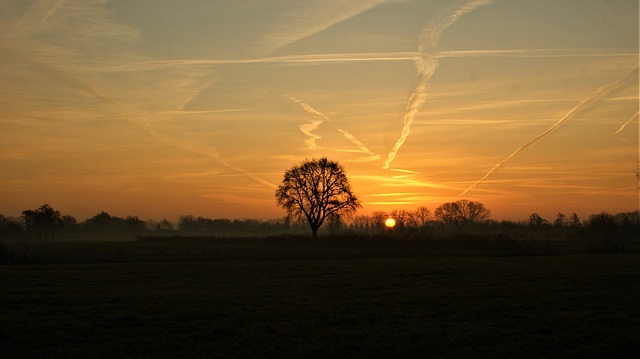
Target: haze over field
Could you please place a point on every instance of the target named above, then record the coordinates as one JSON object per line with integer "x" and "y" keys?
{"x": 159, "y": 108}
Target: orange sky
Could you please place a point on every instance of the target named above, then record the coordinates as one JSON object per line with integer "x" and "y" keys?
{"x": 161, "y": 108}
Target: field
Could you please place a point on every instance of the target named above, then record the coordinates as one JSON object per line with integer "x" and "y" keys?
{"x": 347, "y": 306}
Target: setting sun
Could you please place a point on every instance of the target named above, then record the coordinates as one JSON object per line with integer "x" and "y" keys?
{"x": 390, "y": 223}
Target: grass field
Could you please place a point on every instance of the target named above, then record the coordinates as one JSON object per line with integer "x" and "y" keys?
{"x": 553, "y": 306}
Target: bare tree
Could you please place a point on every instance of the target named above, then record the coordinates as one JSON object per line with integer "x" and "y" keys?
{"x": 401, "y": 217}
{"x": 377, "y": 221}
{"x": 316, "y": 190}
{"x": 560, "y": 220}
{"x": 462, "y": 211}
{"x": 472, "y": 212}
{"x": 419, "y": 219}
{"x": 43, "y": 221}
{"x": 536, "y": 220}
{"x": 447, "y": 212}
{"x": 574, "y": 220}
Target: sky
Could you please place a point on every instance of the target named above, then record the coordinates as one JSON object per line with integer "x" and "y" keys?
{"x": 160, "y": 108}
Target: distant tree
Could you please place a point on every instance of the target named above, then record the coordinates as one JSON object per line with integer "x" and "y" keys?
{"x": 560, "y": 220}
{"x": 102, "y": 224}
{"x": 105, "y": 225}
{"x": 164, "y": 226}
{"x": 188, "y": 224}
{"x": 536, "y": 220}
{"x": 602, "y": 222}
{"x": 377, "y": 221}
{"x": 69, "y": 225}
{"x": 447, "y": 212}
{"x": 401, "y": 217}
{"x": 134, "y": 225}
{"x": 42, "y": 222}
{"x": 420, "y": 217}
{"x": 629, "y": 223}
{"x": 361, "y": 224}
{"x": 574, "y": 220}
{"x": 471, "y": 212}
{"x": 462, "y": 211}
{"x": 315, "y": 191}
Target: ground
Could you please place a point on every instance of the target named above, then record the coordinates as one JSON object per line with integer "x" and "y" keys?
{"x": 536, "y": 306}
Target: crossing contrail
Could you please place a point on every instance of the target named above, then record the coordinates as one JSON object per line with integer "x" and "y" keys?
{"x": 603, "y": 91}
{"x": 426, "y": 65}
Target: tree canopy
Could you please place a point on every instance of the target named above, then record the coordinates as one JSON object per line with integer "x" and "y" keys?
{"x": 462, "y": 211}
{"x": 316, "y": 190}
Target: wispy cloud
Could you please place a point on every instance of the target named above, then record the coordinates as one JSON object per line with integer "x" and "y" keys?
{"x": 426, "y": 66}
{"x": 585, "y": 103}
{"x": 50, "y": 63}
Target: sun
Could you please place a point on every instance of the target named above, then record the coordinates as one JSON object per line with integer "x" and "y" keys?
{"x": 390, "y": 222}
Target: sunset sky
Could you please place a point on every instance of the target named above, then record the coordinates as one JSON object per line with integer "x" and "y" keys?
{"x": 158, "y": 108}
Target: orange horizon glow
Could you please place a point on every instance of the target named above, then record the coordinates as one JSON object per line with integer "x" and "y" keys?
{"x": 161, "y": 109}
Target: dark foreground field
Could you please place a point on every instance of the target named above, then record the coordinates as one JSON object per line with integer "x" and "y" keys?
{"x": 553, "y": 306}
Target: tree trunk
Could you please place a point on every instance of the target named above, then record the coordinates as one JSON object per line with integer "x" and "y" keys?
{"x": 314, "y": 232}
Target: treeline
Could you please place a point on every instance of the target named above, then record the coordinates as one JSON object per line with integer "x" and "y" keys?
{"x": 446, "y": 221}
{"x": 46, "y": 223}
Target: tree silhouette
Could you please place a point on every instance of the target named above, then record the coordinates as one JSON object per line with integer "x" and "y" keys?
{"x": 536, "y": 220}
{"x": 164, "y": 226}
{"x": 447, "y": 212}
{"x": 315, "y": 191}
{"x": 42, "y": 221}
{"x": 462, "y": 211}
{"x": 560, "y": 220}
{"x": 471, "y": 212}
{"x": 574, "y": 220}
{"x": 420, "y": 217}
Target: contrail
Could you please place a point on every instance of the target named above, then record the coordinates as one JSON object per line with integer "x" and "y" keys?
{"x": 306, "y": 128}
{"x": 626, "y": 123}
{"x": 597, "y": 95}
{"x": 426, "y": 65}
{"x": 324, "y": 59}
{"x": 360, "y": 145}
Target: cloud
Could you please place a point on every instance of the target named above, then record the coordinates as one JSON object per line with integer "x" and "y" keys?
{"x": 600, "y": 93}
{"x": 41, "y": 56}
